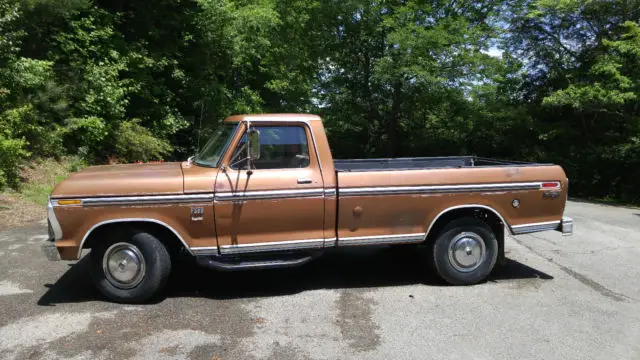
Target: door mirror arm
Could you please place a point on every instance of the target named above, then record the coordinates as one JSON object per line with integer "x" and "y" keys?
{"x": 252, "y": 146}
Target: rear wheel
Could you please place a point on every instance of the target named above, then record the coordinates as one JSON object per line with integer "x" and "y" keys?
{"x": 131, "y": 267}
{"x": 465, "y": 251}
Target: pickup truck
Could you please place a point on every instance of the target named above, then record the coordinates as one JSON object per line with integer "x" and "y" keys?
{"x": 265, "y": 192}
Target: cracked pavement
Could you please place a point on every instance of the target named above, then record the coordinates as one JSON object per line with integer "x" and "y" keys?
{"x": 556, "y": 298}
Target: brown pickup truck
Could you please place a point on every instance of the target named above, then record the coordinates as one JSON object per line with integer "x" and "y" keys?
{"x": 265, "y": 192}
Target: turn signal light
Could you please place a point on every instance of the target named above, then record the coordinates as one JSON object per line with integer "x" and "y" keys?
{"x": 69, "y": 202}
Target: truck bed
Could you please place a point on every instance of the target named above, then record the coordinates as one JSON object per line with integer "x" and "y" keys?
{"x": 422, "y": 163}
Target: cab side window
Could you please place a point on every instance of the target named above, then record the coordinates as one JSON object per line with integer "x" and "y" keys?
{"x": 281, "y": 147}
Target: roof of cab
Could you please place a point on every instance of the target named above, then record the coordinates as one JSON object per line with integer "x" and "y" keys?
{"x": 272, "y": 117}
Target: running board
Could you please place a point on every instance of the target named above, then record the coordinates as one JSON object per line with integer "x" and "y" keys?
{"x": 223, "y": 263}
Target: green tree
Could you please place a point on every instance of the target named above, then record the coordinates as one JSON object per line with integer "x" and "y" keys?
{"x": 138, "y": 80}
{"x": 582, "y": 89}
{"x": 398, "y": 74}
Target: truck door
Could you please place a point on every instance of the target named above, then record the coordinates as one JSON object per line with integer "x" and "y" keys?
{"x": 276, "y": 205}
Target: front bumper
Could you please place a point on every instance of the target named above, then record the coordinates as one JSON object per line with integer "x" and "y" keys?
{"x": 55, "y": 233}
{"x": 566, "y": 226}
{"x": 54, "y": 226}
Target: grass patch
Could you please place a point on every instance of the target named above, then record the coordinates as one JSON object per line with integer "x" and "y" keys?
{"x": 37, "y": 193}
{"x": 38, "y": 178}
{"x": 41, "y": 176}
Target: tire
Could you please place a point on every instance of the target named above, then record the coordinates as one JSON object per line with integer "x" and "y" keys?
{"x": 464, "y": 252}
{"x": 130, "y": 267}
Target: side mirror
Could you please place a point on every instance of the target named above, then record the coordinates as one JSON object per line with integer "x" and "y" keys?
{"x": 254, "y": 144}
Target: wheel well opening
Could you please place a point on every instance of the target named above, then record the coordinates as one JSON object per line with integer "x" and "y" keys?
{"x": 488, "y": 216}
{"x": 161, "y": 232}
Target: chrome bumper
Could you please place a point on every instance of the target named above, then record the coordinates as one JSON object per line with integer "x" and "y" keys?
{"x": 55, "y": 233}
{"x": 566, "y": 226}
{"x": 54, "y": 225}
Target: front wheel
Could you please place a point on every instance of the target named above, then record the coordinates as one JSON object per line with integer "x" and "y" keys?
{"x": 131, "y": 267}
{"x": 465, "y": 251}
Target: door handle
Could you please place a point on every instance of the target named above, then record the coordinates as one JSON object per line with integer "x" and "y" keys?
{"x": 304, "y": 181}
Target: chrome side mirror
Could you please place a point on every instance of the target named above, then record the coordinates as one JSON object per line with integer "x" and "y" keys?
{"x": 253, "y": 137}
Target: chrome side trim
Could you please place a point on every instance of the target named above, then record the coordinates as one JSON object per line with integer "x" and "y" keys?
{"x": 330, "y": 192}
{"x": 205, "y": 250}
{"x": 196, "y": 198}
{"x": 330, "y": 242}
{"x": 55, "y": 225}
{"x": 534, "y": 227}
{"x": 426, "y": 189}
{"x": 381, "y": 239}
{"x": 270, "y": 194}
{"x": 143, "y": 200}
{"x": 485, "y": 207}
{"x": 272, "y": 246}
{"x": 131, "y": 220}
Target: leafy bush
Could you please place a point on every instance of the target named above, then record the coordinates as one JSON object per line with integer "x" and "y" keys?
{"x": 12, "y": 153}
{"x": 134, "y": 142}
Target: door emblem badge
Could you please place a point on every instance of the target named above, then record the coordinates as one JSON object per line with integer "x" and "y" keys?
{"x": 197, "y": 214}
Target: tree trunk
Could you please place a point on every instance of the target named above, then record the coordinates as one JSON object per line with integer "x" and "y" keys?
{"x": 368, "y": 100}
{"x": 394, "y": 119}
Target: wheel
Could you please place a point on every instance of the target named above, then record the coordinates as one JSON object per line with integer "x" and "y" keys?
{"x": 465, "y": 251}
{"x": 130, "y": 267}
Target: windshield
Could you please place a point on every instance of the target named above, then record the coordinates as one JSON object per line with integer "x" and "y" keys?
{"x": 214, "y": 148}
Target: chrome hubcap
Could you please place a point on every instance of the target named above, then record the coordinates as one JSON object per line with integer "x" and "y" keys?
{"x": 123, "y": 265}
{"x": 467, "y": 251}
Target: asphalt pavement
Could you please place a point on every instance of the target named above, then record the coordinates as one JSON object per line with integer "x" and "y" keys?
{"x": 557, "y": 297}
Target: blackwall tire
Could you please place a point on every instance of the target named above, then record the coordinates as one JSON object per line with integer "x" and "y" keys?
{"x": 465, "y": 251}
{"x": 130, "y": 267}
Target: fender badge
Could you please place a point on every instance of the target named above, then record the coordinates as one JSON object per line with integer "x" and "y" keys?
{"x": 197, "y": 214}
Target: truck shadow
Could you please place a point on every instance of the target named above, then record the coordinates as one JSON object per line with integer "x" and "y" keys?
{"x": 368, "y": 268}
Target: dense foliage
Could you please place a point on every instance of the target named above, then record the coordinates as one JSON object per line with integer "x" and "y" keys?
{"x": 137, "y": 80}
